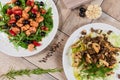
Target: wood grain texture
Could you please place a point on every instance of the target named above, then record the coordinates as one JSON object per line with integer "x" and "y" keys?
{"x": 56, "y": 60}
{"x": 63, "y": 12}
{"x": 99, "y": 2}
{"x": 73, "y": 22}
{"x": 75, "y": 3}
{"x": 112, "y": 7}
{"x": 7, "y": 63}
{"x": 108, "y": 20}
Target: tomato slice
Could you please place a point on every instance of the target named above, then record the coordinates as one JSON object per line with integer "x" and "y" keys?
{"x": 12, "y": 33}
{"x": 42, "y": 11}
{"x": 44, "y": 28}
{"x": 9, "y": 11}
{"x": 34, "y": 11}
{"x": 30, "y": 2}
{"x": 17, "y": 12}
{"x": 36, "y": 43}
{"x": 12, "y": 21}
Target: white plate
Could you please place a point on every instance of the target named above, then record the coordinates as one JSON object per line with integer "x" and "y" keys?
{"x": 8, "y": 48}
{"x": 75, "y": 36}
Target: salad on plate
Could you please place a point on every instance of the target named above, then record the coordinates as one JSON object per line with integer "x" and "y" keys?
{"x": 26, "y": 22}
{"x": 95, "y": 55}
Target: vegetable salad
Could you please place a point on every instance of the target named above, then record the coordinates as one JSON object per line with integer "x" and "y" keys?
{"x": 93, "y": 56}
{"x": 26, "y": 22}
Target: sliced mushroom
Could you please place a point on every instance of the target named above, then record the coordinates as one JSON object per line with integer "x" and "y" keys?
{"x": 96, "y": 47}
{"x": 104, "y": 62}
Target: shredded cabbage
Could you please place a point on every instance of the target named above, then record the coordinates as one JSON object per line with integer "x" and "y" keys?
{"x": 114, "y": 39}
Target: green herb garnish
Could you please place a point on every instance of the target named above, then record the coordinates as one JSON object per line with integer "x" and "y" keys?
{"x": 14, "y": 73}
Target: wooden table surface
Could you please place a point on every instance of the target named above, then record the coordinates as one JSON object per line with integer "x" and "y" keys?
{"x": 69, "y": 22}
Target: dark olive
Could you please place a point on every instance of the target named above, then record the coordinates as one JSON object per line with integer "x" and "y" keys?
{"x": 17, "y": 17}
{"x": 27, "y": 41}
{"x": 26, "y": 22}
{"x": 43, "y": 34}
{"x": 18, "y": 3}
{"x": 13, "y": 24}
{"x": 33, "y": 15}
{"x": 82, "y": 9}
{"x": 41, "y": 3}
{"x": 82, "y": 14}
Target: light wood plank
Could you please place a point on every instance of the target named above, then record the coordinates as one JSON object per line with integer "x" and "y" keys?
{"x": 74, "y": 22}
{"x": 112, "y": 7}
{"x": 7, "y": 62}
{"x": 56, "y": 60}
{"x": 108, "y": 20}
{"x": 99, "y": 2}
{"x": 63, "y": 12}
{"x": 75, "y": 3}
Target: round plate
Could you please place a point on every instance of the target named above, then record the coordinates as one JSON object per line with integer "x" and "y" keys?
{"x": 75, "y": 36}
{"x": 9, "y": 49}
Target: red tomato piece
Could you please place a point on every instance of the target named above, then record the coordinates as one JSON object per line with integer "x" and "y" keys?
{"x": 12, "y": 33}
{"x": 34, "y": 11}
{"x": 30, "y": 2}
{"x": 44, "y": 28}
{"x": 17, "y": 12}
{"x": 36, "y": 43}
{"x": 9, "y": 11}
{"x": 12, "y": 21}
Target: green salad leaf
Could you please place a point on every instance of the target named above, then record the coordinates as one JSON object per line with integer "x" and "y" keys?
{"x": 48, "y": 21}
{"x": 2, "y": 23}
{"x": 23, "y": 3}
{"x": 114, "y": 39}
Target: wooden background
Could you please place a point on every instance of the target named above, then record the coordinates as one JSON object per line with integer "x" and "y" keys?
{"x": 69, "y": 22}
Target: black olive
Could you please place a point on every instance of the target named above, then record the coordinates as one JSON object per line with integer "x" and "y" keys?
{"x": 82, "y": 14}
{"x": 18, "y": 3}
{"x": 5, "y": 26}
{"x": 26, "y": 22}
{"x": 41, "y": 3}
{"x": 82, "y": 9}
{"x": 13, "y": 24}
{"x": 43, "y": 34}
{"x": 17, "y": 17}
{"x": 33, "y": 15}
{"x": 27, "y": 41}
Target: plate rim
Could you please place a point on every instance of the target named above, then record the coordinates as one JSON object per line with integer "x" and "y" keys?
{"x": 68, "y": 40}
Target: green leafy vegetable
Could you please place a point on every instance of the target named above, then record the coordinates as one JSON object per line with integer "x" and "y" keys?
{"x": 2, "y": 23}
{"x": 23, "y": 3}
{"x": 13, "y": 73}
{"x": 48, "y": 21}
{"x": 4, "y": 9}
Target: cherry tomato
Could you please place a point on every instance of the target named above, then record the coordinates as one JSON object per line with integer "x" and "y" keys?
{"x": 9, "y": 11}
{"x": 17, "y": 12}
{"x": 12, "y": 21}
{"x": 44, "y": 28}
{"x": 12, "y": 33}
{"x": 36, "y": 43}
{"x": 30, "y": 2}
{"x": 34, "y": 11}
{"x": 42, "y": 11}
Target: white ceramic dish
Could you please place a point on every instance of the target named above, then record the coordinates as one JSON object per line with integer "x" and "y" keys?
{"x": 8, "y": 48}
{"x": 75, "y": 36}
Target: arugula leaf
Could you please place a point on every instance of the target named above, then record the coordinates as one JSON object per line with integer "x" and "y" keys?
{"x": 5, "y": 7}
{"x": 2, "y": 23}
{"x": 23, "y": 3}
{"x": 1, "y": 9}
{"x": 48, "y": 21}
